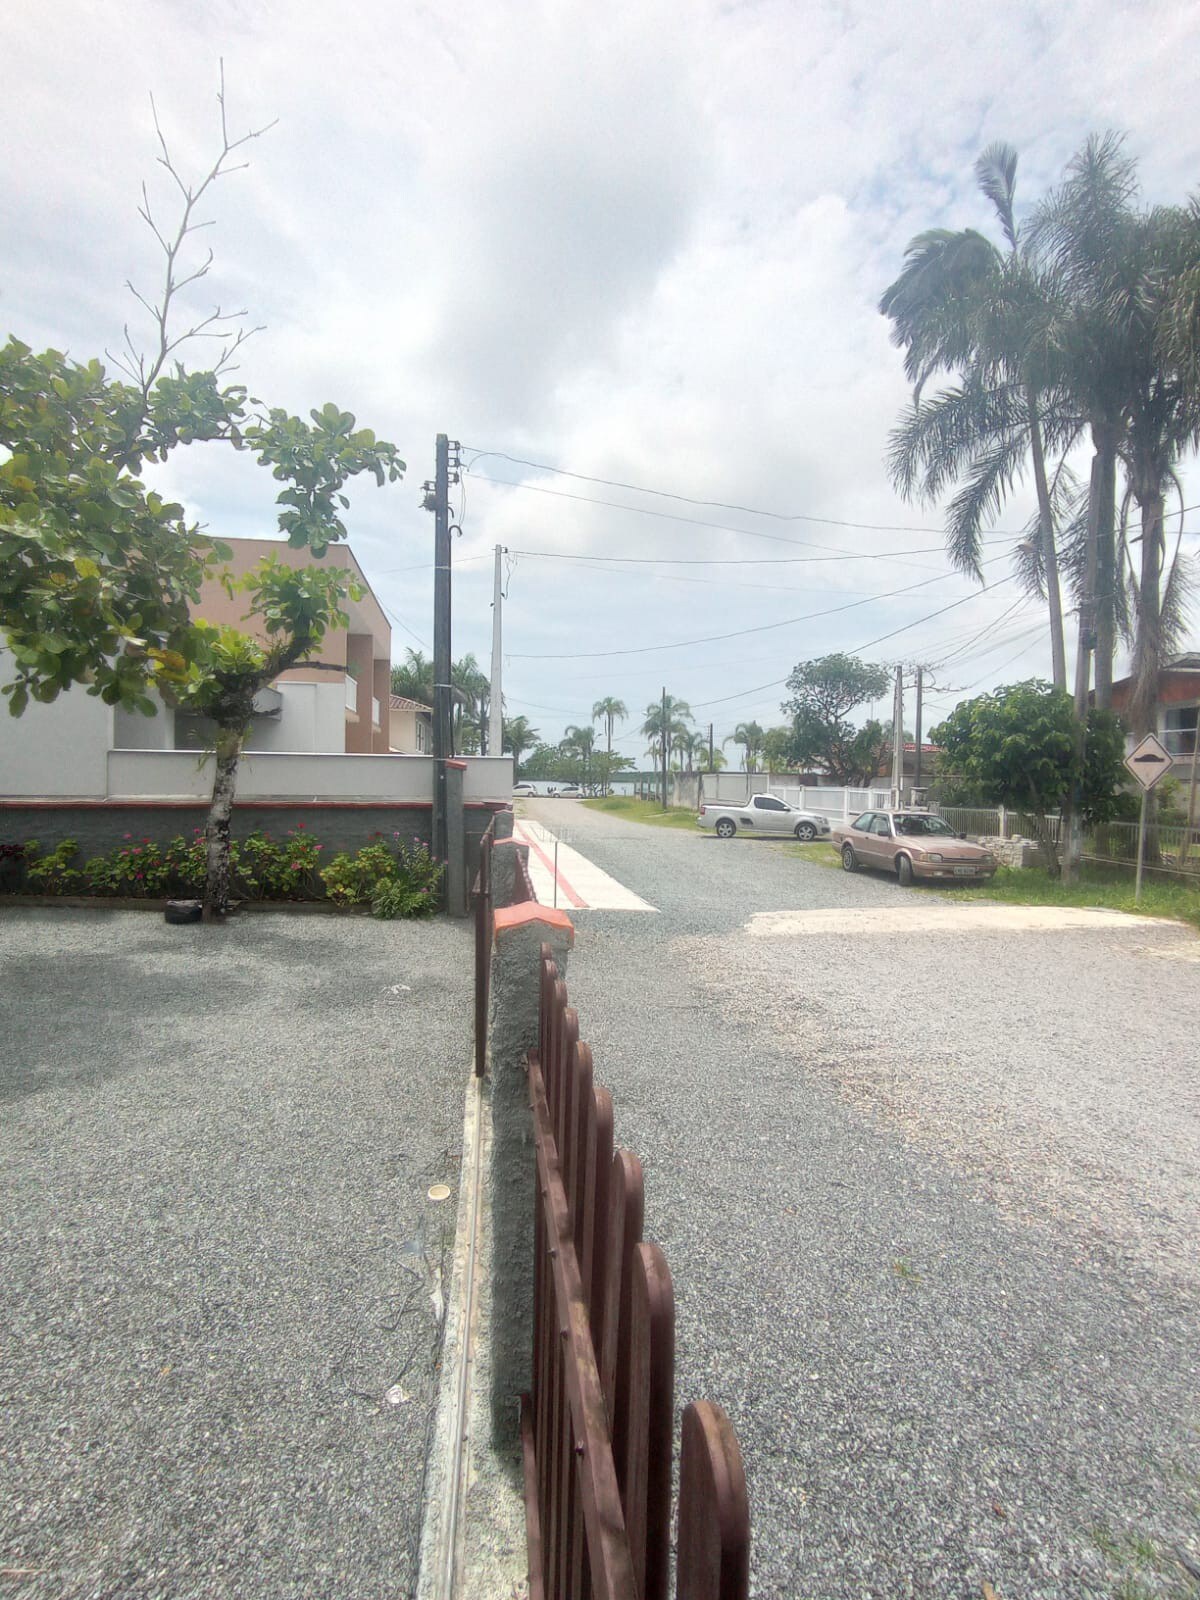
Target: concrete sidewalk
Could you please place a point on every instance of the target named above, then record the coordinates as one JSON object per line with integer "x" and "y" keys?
{"x": 222, "y": 1270}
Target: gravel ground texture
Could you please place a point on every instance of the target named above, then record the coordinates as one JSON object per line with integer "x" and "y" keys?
{"x": 221, "y": 1305}
{"x": 930, "y": 1200}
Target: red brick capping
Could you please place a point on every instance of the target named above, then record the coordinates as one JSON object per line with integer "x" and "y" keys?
{"x": 459, "y": 766}
{"x": 531, "y": 911}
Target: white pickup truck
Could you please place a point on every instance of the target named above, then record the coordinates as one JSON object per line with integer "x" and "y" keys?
{"x": 763, "y": 813}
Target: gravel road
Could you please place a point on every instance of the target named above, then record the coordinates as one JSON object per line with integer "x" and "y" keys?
{"x": 219, "y": 1260}
{"x": 929, "y": 1191}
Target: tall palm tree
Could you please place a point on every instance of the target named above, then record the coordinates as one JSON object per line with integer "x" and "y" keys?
{"x": 519, "y": 737}
{"x": 413, "y": 677}
{"x": 611, "y": 710}
{"x": 471, "y": 690}
{"x": 964, "y": 306}
{"x": 665, "y": 720}
{"x": 581, "y": 742}
{"x": 748, "y": 736}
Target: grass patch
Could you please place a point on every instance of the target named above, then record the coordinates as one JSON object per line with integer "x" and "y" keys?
{"x": 819, "y": 851}
{"x": 624, "y": 805}
{"x": 1102, "y": 887}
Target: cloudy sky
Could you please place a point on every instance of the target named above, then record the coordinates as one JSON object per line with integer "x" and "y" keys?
{"x": 634, "y": 245}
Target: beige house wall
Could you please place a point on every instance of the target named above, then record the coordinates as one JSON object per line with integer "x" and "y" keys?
{"x": 366, "y": 644}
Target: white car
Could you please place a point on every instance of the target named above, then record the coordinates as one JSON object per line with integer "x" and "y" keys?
{"x": 763, "y": 813}
{"x": 523, "y": 790}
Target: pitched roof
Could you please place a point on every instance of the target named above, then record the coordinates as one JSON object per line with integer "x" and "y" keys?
{"x": 400, "y": 702}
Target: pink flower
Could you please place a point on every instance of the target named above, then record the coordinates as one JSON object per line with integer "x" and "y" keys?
{"x": 127, "y": 836}
{"x": 296, "y": 866}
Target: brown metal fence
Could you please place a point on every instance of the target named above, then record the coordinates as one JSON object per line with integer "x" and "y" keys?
{"x": 597, "y": 1427}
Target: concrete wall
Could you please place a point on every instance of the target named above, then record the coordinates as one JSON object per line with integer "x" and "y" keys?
{"x": 184, "y": 774}
{"x": 133, "y": 731}
{"x": 57, "y": 749}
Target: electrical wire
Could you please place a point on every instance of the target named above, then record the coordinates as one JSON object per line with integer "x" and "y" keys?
{"x": 763, "y": 627}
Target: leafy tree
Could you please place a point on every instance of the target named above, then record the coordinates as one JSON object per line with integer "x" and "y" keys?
{"x": 519, "y": 737}
{"x": 98, "y": 573}
{"x": 1018, "y": 745}
{"x": 611, "y": 710}
{"x": 471, "y": 692}
{"x": 413, "y": 677}
{"x": 777, "y": 749}
{"x": 824, "y": 694}
{"x": 608, "y": 765}
{"x": 748, "y": 736}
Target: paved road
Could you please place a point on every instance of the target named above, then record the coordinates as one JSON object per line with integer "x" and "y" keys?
{"x": 928, "y": 1185}
{"x": 216, "y": 1325}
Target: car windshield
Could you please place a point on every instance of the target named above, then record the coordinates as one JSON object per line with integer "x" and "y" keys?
{"x": 917, "y": 827}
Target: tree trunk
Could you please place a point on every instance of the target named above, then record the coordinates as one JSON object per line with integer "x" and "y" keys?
{"x": 1106, "y": 568}
{"x": 1050, "y": 852}
{"x": 1058, "y": 654}
{"x": 1072, "y": 836}
{"x": 216, "y": 832}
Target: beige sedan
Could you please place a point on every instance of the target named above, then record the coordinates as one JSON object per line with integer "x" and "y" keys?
{"x": 912, "y": 844}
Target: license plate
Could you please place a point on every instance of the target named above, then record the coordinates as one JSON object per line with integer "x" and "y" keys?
{"x": 964, "y": 872}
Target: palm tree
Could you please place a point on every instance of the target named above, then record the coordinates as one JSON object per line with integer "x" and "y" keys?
{"x": 519, "y": 737}
{"x": 666, "y": 720}
{"x": 749, "y": 737}
{"x": 964, "y": 306}
{"x": 413, "y": 678}
{"x": 691, "y": 746}
{"x": 611, "y": 710}
{"x": 471, "y": 690}
{"x": 581, "y": 742}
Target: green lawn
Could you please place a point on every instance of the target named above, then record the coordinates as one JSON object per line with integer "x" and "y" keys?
{"x": 1108, "y": 888}
{"x": 623, "y": 805}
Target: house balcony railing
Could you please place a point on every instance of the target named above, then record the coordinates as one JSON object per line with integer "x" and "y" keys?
{"x": 351, "y": 693}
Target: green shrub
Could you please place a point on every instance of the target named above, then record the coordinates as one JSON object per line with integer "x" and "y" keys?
{"x": 350, "y": 880}
{"x": 268, "y": 869}
{"x": 52, "y": 874}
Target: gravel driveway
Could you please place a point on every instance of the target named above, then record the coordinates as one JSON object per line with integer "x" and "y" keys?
{"x": 929, "y": 1193}
{"x": 219, "y": 1260}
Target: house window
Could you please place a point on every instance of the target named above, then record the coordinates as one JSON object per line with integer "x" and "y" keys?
{"x": 1179, "y": 729}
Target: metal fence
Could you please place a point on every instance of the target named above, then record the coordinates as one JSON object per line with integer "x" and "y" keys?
{"x": 483, "y": 946}
{"x": 597, "y": 1427}
{"x": 1169, "y": 849}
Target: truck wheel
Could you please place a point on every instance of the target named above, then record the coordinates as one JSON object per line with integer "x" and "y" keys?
{"x": 904, "y": 871}
{"x": 726, "y": 829}
{"x": 849, "y": 859}
{"x": 806, "y": 831}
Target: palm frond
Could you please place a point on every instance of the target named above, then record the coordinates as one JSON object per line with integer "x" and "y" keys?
{"x": 989, "y": 480}
{"x": 996, "y": 172}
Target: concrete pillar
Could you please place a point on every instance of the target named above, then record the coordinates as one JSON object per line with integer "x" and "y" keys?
{"x": 381, "y": 679}
{"x": 456, "y": 840}
{"x": 360, "y": 658}
{"x": 520, "y": 932}
{"x": 505, "y": 856}
{"x": 502, "y": 824}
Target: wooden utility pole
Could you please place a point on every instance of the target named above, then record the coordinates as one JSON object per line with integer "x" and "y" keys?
{"x": 917, "y": 764}
{"x": 495, "y": 743}
{"x": 898, "y": 739}
{"x": 437, "y": 500}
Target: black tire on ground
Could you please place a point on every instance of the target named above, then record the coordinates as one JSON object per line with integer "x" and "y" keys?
{"x": 806, "y": 831}
{"x": 849, "y": 859}
{"x": 183, "y": 911}
{"x": 904, "y": 870}
{"x": 726, "y": 828}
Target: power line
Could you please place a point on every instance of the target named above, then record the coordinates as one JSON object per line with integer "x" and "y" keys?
{"x": 764, "y": 627}
{"x": 737, "y": 561}
{"x": 684, "y": 499}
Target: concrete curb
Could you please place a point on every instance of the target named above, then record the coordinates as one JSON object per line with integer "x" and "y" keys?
{"x": 483, "y": 1555}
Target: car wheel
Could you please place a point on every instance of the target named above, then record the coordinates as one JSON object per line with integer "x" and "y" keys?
{"x": 904, "y": 870}
{"x": 849, "y": 859}
{"x": 806, "y": 831}
{"x": 726, "y": 829}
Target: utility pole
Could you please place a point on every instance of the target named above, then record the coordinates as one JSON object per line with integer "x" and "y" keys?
{"x": 920, "y": 686}
{"x": 495, "y": 739}
{"x": 437, "y": 500}
{"x": 898, "y": 739}
{"x": 664, "y": 747}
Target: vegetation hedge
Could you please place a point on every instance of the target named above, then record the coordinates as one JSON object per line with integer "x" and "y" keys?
{"x": 396, "y": 878}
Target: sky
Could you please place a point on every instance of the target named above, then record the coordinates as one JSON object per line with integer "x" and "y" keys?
{"x": 621, "y": 254}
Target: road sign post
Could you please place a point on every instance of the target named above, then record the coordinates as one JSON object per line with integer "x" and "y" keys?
{"x": 1147, "y": 762}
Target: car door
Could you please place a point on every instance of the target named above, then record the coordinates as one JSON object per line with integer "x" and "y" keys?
{"x": 883, "y": 842}
{"x": 861, "y": 837}
{"x": 771, "y": 815}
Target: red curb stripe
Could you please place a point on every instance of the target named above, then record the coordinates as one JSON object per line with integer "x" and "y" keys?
{"x": 579, "y": 903}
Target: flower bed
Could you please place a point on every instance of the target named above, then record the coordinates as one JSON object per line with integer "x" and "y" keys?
{"x": 394, "y": 877}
